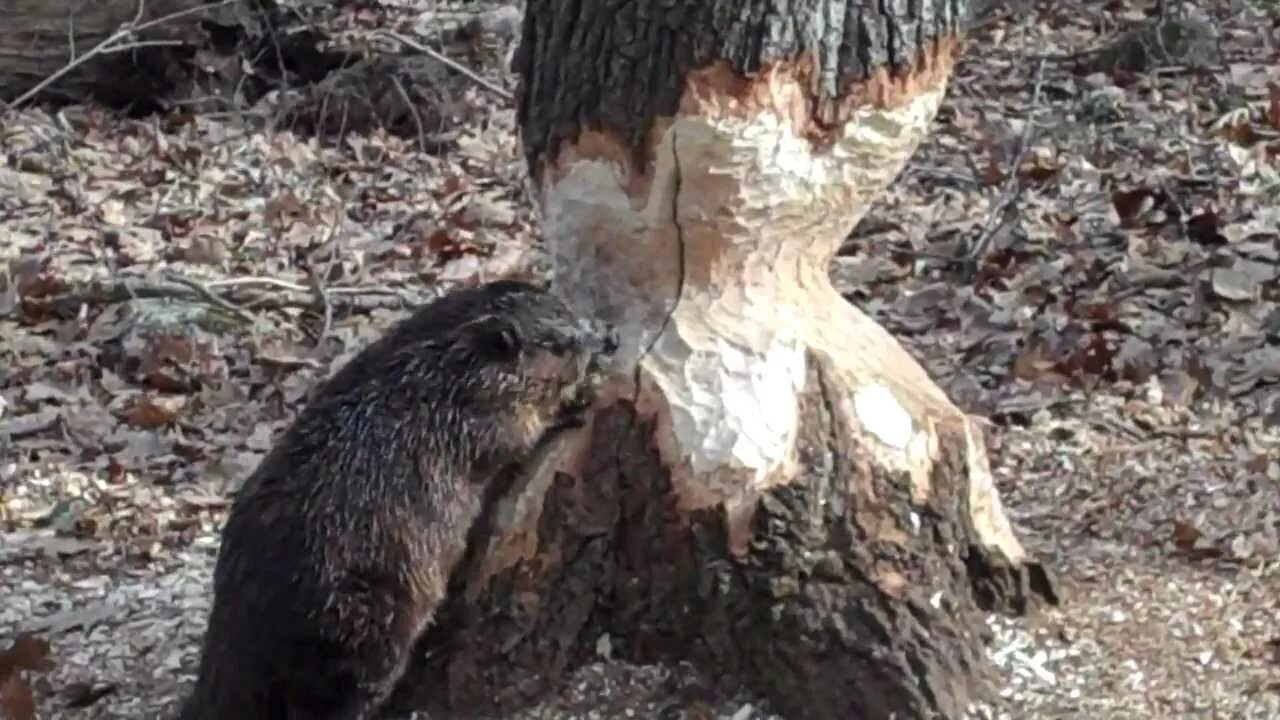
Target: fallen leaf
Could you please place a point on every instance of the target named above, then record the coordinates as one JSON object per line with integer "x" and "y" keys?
{"x": 1205, "y": 228}
{"x": 1231, "y": 284}
{"x": 1184, "y": 535}
{"x": 1132, "y": 205}
{"x": 1041, "y": 166}
{"x": 282, "y": 209}
{"x": 1032, "y": 364}
{"x": 16, "y": 700}
{"x": 28, "y": 652}
{"x": 152, "y": 413}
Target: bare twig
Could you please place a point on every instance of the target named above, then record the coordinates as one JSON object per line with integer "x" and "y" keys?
{"x": 413, "y": 110}
{"x": 437, "y": 55}
{"x": 1012, "y": 186}
{"x": 236, "y": 295}
{"x": 213, "y": 298}
{"x": 317, "y": 279}
{"x": 317, "y": 283}
{"x": 255, "y": 281}
{"x": 113, "y": 43}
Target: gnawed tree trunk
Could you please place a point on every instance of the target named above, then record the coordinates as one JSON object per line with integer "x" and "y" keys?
{"x": 777, "y": 491}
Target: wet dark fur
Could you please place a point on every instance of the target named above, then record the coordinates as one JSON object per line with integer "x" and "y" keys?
{"x": 338, "y": 548}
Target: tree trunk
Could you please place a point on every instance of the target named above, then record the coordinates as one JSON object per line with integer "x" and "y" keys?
{"x": 775, "y": 490}
{"x": 40, "y": 38}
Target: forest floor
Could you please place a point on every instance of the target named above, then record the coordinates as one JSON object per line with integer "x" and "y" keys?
{"x": 175, "y": 286}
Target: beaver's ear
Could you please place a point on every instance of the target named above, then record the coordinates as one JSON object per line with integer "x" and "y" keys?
{"x": 494, "y": 338}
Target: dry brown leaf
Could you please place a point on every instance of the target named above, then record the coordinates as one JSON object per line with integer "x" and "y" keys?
{"x": 1240, "y": 132}
{"x": 1040, "y": 167}
{"x": 1184, "y": 535}
{"x": 17, "y": 702}
{"x": 30, "y": 652}
{"x": 1132, "y": 205}
{"x": 42, "y": 285}
{"x": 1032, "y": 364}
{"x": 150, "y": 413}
{"x": 1188, "y": 541}
{"x": 1205, "y": 228}
{"x": 27, "y": 652}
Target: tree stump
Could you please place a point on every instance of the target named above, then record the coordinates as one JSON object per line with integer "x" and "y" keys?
{"x": 775, "y": 489}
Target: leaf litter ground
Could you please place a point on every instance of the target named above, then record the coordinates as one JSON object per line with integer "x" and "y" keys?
{"x": 176, "y": 286}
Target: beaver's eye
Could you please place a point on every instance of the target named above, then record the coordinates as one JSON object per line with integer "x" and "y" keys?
{"x": 496, "y": 340}
{"x": 505, "y": 343}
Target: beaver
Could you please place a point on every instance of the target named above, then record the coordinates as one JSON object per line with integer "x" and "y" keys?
{"x": 338, "y": 548}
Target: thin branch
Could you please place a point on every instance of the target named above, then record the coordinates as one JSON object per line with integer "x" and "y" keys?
{"x": 435, "y": 54}
{"x": 413, "y": 110}
{"x": 317, "y": 279}
{"x": 326, "y": 302}
{"x": 213, "y": 298}
{"x": 254, "y": 281}
{"x": 257, "y": 281}
{"x": 235, "y": 295}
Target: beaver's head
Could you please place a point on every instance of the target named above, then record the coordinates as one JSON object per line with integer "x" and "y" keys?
{"x": 534, "y": 363}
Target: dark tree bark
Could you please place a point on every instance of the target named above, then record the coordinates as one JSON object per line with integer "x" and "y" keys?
{"x": 776, "y": 490}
